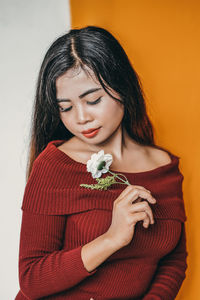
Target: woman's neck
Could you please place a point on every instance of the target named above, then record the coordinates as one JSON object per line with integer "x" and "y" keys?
{"x": 117, "y": 145}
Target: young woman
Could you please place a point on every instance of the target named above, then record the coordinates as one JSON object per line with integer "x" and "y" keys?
{"x": 126, "y": 241}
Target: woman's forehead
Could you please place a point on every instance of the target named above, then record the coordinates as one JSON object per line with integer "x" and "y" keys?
{"x": 74, "y": 75}
{"x": 77, "y": 79}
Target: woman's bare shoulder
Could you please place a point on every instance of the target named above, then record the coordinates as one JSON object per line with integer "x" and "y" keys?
{"x": 158, "y": 156}
{"x": 67, "y": 145}
{"x": 145, "y": 158}
{"x": 75, "y": 150}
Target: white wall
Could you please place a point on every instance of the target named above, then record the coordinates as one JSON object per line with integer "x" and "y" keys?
{"x": 27, "y": 28}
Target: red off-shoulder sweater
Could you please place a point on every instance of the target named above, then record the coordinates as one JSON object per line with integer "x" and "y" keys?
{"x": 59, "y": 217}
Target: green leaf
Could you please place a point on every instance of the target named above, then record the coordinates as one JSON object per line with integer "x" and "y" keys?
{"x": 103, "y": 183}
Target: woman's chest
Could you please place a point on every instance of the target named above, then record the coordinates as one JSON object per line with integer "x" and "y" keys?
{"x": 155, "y": 241}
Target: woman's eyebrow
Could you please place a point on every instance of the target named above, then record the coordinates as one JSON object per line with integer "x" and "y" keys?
{"x": 82, "y": 95}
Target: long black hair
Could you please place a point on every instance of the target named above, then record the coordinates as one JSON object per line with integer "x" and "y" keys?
{"x": 99, "y": 50}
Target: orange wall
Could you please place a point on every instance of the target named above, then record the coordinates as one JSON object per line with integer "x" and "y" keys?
{"x": 162, "y": 39}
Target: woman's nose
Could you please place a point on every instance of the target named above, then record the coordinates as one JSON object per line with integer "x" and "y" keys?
{"x": 82, "y": 115}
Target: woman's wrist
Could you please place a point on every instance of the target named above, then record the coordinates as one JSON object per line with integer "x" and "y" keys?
{"x": 97, "y": 251}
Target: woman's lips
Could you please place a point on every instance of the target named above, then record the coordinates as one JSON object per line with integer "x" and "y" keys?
{"x": 91, "y": 133}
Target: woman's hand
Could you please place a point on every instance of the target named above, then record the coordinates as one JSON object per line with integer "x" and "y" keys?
{"x": 128, "y": 209}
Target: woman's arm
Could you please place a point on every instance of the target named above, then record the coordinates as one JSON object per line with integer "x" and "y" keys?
{"x": 45, "y": 269}
{"x": 170, "y": 273}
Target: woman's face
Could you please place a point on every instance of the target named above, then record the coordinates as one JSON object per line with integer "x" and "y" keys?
{"x": 84, "y": 105}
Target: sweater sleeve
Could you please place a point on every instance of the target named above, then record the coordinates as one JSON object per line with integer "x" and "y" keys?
{"x": 170, "y": 273}
{"x": 45, "y": 268}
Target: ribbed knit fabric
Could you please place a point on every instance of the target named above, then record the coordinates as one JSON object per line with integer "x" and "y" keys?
{"x": 59, "y": 217}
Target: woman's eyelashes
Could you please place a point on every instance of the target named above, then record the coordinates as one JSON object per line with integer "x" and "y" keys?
{"x": 65, "y": 109}
{"x": 90, "y": 103}
{"x": 95, "y": 102}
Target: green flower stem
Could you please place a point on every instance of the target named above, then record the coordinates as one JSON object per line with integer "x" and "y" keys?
{"x": 116, "y": 175}
{"x": 126, "y": 183}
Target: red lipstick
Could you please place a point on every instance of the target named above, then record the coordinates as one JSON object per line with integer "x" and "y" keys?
{"x": 90, "y": 132}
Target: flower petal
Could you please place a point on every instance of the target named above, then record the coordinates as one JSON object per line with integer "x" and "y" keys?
{"x": 104, "y": 170}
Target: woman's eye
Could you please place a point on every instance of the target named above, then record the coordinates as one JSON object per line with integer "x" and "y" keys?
{"x": 96, "y": 101}
{"x": 91, "y": 103}
{"x": 65, "y": 109}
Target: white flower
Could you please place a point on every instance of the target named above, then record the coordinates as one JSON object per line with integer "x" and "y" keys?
{"x": 99, "y": 163}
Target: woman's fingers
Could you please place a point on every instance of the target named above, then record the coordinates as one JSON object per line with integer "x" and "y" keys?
{"x": 134, "y": 189}
{"x": 144, "y": 207}
{"x": 146, "y": 223}
{"x": 141, "y": 216}
{"x": 137, "y": 192}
